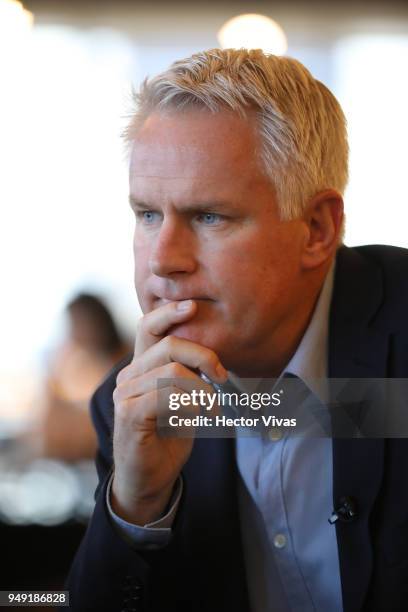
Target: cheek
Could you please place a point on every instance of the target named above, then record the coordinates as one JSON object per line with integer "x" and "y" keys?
{"x": 253, "y": 294}
{"x": 141, "y": 274}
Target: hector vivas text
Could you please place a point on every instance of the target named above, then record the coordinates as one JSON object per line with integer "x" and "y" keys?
{"x": 241, "y": 402}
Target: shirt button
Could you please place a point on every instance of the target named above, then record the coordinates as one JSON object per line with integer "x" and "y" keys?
{"x": 279, "y": 541}
{"x": 274, "y": 434}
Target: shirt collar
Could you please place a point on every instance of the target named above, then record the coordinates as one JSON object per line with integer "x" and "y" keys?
{"x": 309, "y": 361}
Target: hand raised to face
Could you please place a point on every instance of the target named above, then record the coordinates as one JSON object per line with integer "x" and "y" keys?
{"x": 147, "y": 464}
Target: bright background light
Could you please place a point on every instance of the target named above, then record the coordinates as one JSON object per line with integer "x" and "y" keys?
{"x": 372, "y": 85}
{"x": 14, "y": 18}
{"x": 15, "y": 27}
{"x": 66, "y": 223}
{"x": 253, "y": 31}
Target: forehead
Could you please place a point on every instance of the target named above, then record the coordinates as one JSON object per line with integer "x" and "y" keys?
{"x": 195, "y": 144}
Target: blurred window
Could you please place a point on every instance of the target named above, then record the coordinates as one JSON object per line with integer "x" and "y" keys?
{"x": 65, "y": 219}
{"x": 372, "y": 85}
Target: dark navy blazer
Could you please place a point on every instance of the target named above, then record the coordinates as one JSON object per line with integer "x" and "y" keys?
{"x": 202, "y": 569}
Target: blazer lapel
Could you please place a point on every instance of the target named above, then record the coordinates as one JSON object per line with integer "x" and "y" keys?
{"x": 356, "y": 350}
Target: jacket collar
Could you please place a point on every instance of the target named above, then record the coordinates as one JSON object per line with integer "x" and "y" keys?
{"x": 356, "y": 348}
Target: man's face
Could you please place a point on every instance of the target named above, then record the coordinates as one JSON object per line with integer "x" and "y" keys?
{"x": 208, "y": 228}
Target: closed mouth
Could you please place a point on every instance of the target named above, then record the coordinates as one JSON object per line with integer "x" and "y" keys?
{"x": 193, "y": 298}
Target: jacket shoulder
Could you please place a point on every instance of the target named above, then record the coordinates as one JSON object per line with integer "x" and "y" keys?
{"x": 393, "y": 260}
{"x": 391, "y": 264}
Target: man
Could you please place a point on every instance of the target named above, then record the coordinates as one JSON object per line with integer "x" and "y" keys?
{"x": 238, "y": 163}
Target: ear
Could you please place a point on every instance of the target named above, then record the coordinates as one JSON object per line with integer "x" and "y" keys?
{"x": 323, "y": 219}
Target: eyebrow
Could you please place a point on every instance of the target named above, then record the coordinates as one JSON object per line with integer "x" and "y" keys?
{"x": 216, "y": 206}
{"x": 135, "y": 203}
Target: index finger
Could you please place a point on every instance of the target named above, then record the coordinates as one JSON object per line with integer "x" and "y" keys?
{"x": 156, "y": 323}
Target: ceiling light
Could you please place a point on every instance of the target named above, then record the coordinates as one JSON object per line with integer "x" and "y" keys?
{"x": 253, "y": 31}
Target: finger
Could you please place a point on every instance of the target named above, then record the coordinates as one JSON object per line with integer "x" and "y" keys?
{"x": 142, "y": 413}
{"x": 173, "y": 349}
{"x": 173, "y": 373}
{"x": 168, "y": 412}
{"x": 155, "y": 324}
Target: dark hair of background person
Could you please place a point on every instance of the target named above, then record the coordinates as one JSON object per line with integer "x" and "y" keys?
{"x": 92, "y": 324}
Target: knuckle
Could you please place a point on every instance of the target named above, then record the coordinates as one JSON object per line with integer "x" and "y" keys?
{"x": 176, "y": 370}
{"x": 123, "y": 375}
{"x": 145, "y": 323}
{"x": 118, "y": 397}
{"x": 123, "y": 408}
{"x": 131, "y": 371}
{"x": 120, "y": 377}
{"x": 210, "y": 358}
{"x": 169, "y": 343}
{"x": 141, "y": 323}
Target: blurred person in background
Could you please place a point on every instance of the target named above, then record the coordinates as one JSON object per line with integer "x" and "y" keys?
{"x": 92, "y": 347}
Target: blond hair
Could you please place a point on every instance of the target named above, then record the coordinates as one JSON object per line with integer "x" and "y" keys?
{"x": 302, "y": 128}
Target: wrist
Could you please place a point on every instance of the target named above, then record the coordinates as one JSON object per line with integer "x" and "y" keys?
{"x": 139, "y": 510}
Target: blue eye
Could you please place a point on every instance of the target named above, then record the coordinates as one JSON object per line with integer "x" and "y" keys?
{"x": 147, "y": 216}
{"x": 209, "y": 218}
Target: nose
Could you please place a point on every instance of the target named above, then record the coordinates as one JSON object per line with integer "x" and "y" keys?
{"x": 173, "y": 249}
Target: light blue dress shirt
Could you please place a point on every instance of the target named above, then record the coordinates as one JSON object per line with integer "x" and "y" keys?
{"x": 285, "y": 499}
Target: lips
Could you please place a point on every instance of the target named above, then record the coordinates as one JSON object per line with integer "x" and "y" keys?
{"x": 162, "y": 300}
